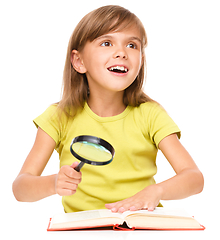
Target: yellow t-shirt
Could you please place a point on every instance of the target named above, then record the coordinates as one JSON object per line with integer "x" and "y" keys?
{"x": 134, "y": 134}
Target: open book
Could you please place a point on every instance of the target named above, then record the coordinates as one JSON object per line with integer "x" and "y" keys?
{"x": 159, "y": 219}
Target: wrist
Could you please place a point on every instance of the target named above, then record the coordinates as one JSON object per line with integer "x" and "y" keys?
{"x": 156, "y": 189}
{"x": 160, "y": 190}
{"x": 53, "y": 184}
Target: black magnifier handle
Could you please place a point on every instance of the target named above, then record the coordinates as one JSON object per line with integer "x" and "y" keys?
{"x": 79, "y": 166}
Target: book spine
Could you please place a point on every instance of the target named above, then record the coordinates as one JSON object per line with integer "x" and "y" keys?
{"x": 118, "y": 228}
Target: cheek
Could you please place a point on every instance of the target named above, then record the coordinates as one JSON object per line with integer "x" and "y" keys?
{"x": 101, "y": 58}
{"x": 95, "y": 61}
{"x": 136, "y": 57}
{"x": 137, "y": 63}
{"x": 140, "y": 61}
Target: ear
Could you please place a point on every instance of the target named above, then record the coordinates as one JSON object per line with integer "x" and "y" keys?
{"x": 77, "y": 62}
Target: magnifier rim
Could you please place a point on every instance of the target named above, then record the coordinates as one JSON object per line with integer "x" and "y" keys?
{"x": 95, "y": 140}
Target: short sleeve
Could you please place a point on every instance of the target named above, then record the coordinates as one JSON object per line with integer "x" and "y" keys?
{"x": 48, "y": 121}
{"x": 161, "y": 125}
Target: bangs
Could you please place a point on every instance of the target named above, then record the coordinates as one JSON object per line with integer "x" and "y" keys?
{"x": 109, "y": 19}
{"x": 114, "y": 22}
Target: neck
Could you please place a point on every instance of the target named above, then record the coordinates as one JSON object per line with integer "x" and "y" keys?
{"x": 106, "y": 105}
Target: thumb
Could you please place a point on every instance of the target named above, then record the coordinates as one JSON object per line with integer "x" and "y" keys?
{"x": 74, "y": 165}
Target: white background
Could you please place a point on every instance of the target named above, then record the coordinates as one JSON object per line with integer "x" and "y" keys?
{"x": 183, "y": 63}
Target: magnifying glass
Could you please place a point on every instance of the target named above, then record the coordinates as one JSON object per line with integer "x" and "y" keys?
{"x": 91, "y": 150}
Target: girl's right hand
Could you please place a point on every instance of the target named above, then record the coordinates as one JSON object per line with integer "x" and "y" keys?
{"x": 67, "y": 180}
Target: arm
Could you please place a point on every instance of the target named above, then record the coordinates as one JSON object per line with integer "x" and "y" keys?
{"x": 187, "y": 181}
{"x": 29, "y": 186}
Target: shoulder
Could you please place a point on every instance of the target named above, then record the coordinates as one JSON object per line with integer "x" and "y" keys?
{"x": 54, "y": 122}
{"x": 52, "y": 118}
{"x": 155, "y": 121}
{"x": 53, "y": 113}
{"x": 154, "y": 113}
{"x": 148, "y": 109}
{"x": 145, "y": 115}
{"x": 150, "y": 105}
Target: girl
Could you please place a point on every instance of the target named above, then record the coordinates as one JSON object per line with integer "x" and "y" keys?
{"x": 103, "y": 96}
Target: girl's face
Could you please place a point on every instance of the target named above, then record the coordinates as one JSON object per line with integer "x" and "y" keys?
{"x": 112, "y": 61}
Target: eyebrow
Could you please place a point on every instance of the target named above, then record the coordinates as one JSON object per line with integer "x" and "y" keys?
{"x": 111, "y": 37}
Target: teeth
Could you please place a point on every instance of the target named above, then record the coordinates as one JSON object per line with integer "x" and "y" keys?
{"x": 120, "y": 68}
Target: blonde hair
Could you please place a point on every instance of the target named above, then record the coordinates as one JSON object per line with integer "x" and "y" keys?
{"x": 101, "y": 21}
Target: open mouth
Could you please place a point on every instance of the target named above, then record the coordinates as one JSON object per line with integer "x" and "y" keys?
{"x": 118, "y": 69}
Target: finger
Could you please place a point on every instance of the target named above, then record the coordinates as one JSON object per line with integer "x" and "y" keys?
{"x": 68, "y": 183}
{"x": 137, "y": 206}
{"x": 66, "y": 192}
{"x": 130, "y": 205}
{"x": 133, "y": 208}
{"x": 66, "y": 189}
{"x": 71, "y": 173}
{"x": 62, "y": 179}
{"x": 125, "y": 206}
{"x": 121, "y": 206}
{"x": 151, "y": 206}
{"x": 72, "y": 181}
{"x": 151, "y": 209}
{"x": 121, "y": 209}
{"x": 110, "y": 205}
{"x": 70, "y": 186}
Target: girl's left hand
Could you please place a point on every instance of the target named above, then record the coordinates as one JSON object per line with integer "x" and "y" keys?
{"x": 148, "y": 198}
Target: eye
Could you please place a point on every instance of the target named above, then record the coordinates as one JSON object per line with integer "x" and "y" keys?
{"x": 132, "y": 45}
{"x": 106, "y": 44}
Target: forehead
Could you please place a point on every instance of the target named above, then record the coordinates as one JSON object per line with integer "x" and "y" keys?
{"x": 131, "y": 33}
{"x": 115, "y": 25}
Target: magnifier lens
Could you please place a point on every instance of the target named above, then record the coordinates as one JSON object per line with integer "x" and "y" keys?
{"x": 92, "y": 151}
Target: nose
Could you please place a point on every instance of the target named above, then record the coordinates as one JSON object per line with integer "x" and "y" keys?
{"x": 120, "y": 53}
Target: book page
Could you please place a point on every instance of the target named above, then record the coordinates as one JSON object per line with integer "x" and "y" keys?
{"x": 84, "y": 215}
{"x": 105, "y": 213}
{"x": 160, "y": 211}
